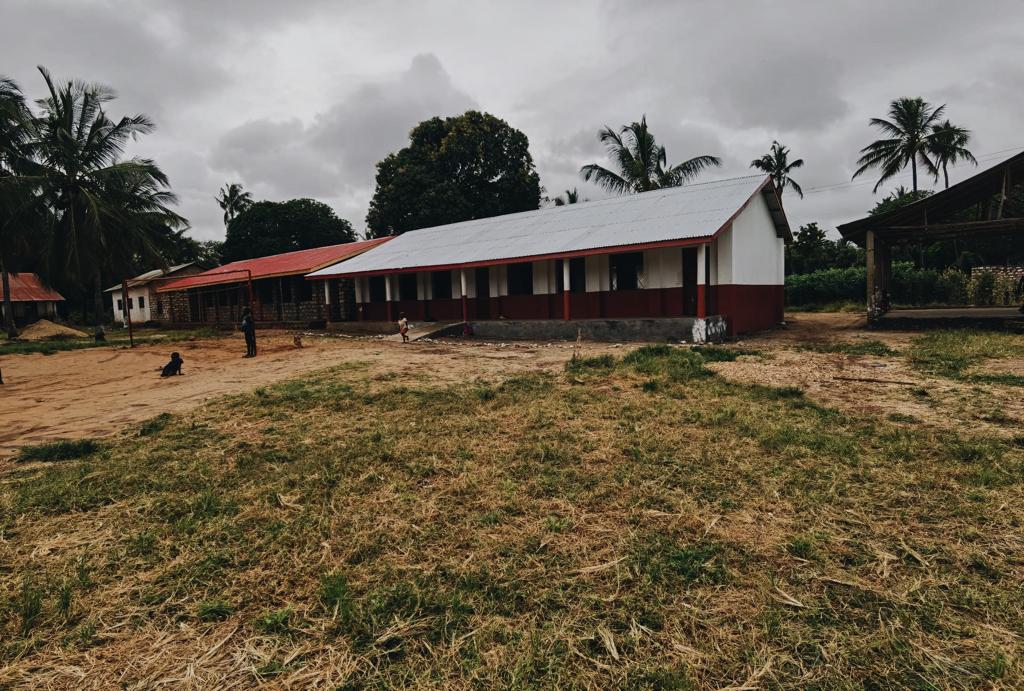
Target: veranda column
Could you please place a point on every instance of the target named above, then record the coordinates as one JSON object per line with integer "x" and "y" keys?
{"x": 465, "y": 298}
{"x": 357, "y": 284}
{"x": 702, "y": 279}
{"x": 327, "y": 298}
{"x": 387, "y": 297}
{"x": 565, "y": 290}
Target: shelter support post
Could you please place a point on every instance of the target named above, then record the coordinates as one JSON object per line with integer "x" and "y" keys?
{"x": 871, "y": 256}
{"x": 357, "y": 284}
{"x": 565, "y": 290}
{"x": 465, "y": 297}
{"x": 702, "y": 280}
{"x": 387, "y": 298}
{"x": 327, "y": 299}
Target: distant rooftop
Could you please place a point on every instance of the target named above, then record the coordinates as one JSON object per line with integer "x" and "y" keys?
{"x": 300, "y": 262}
{"x": 26, "y": 287}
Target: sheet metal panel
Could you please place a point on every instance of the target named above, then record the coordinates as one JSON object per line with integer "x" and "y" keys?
{"x": 26, "y": 287}
{"x": 664, "y": 215}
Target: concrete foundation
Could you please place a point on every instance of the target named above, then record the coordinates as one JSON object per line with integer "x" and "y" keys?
{"x": 675, "y": 330}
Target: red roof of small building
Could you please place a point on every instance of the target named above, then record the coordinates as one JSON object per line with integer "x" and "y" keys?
{"x": 26, "y": 287}
{"x": 296, "y": 263}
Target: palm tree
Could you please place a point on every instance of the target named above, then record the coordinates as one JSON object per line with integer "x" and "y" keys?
{"x": 641, "y": 161}
{"x": 570, "y": 197}
{"x": 910, "y": 133}
{"x": 234, "y": 200}
{"x": 103, "y": 208}
{"x": 14, "y": 120}
{"x": 776, "y": 163}
{"x": 948, "y": 145}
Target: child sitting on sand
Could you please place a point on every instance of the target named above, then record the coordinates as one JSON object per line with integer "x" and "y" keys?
{"x": 173, "y": 367}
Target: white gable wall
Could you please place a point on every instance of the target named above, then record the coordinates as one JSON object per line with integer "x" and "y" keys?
{"x": 749, "y": 252}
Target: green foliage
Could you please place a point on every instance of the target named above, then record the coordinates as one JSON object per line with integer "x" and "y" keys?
{"x": 454, "y": 169}
{"x": 337, "y": 598}
{"x": 581, "y": 365}
{"x": 985, "y": 288}
{"x": 214, "y": 610}
{"x": 908, "y": 286}
{"x": 60, "y": 450}
{"x": 811, "y": 250}
{"x": 897, "y": 199}
{"x": 663, "y": 561}
{"x": 275, "y": 622}
{"x": 642, "y": 163}
{"x": 872, "y": 347}
{"x": 266, "y": 228}
{"x": 777, "y": 164}
{"x": 155, "y": 425}
{"x": 908, "y": 134}
{"x": 29, "y": 604}
{"x": 952, "y": 353}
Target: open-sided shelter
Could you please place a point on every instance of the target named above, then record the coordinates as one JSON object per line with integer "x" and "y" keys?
{"x": 989, "y": 203}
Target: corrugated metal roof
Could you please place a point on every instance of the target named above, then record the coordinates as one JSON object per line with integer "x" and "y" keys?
{"x": 665, "y": 215}
{"x": 287, "y": 264}
{"x": 26, "y": 287}
{"x": 144, "y": 278}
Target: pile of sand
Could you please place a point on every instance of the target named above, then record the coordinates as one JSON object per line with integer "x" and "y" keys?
{"x": 44, "y": 329}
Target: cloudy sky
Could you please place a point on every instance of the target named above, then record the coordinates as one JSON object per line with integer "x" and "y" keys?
{"x": 301, "y": 99}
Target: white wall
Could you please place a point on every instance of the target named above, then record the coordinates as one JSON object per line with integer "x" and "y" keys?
{"x": 749, "y": 252}
{"x": 138, "y": 314}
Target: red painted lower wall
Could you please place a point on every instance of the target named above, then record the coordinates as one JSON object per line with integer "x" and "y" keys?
{"x": 747, "y": 308}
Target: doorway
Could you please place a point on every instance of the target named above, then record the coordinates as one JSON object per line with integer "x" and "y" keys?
{"x": 482, "y": 281}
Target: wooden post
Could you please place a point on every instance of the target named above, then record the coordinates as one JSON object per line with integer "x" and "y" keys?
{"x": 869, "y": 253}
{"x": 566, "y": 297}
{"x": 127, "y": 313}
{"x": 702, "y": 279}
{"x": 465, "y": 297}
{"x": 280, "y": 299}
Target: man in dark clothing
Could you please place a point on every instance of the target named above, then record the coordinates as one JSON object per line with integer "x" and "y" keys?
{"x": 249, "y": 329}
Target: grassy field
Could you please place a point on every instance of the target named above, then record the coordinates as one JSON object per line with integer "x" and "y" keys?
{"x": 631, "y": 522}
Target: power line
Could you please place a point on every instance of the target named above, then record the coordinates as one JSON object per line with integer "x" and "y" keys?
{"x": 904, "y": 175}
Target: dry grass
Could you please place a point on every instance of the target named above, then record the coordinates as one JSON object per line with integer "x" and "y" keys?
{"x": 633, "y": 523}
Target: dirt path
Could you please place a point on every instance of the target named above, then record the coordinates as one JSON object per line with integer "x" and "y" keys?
{"x": 95, "y": 392}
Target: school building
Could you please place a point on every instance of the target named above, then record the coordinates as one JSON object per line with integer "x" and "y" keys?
{"x": 713, "y": 249}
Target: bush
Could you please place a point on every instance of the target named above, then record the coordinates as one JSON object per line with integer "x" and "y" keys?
{"x": 60, "y": 450}
{"x": 908, "y": 286}
{"x": 980, "y": 287}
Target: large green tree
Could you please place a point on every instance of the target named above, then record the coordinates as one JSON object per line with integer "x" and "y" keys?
{"x": 642, "y": 163}
{"x": 454, "y": 169}
{"x": 948, "y": 146}
{"x": 266, "y": 228}
{"x": 14, "y": 129}
{"x": 105, "y": 210}
{"x": 908, "y": 136}
{"x": 777, "y": 164}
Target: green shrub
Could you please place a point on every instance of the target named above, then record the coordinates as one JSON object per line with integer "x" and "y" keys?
{"x": 907, "y": 286}
{"x": 981, "y": 287}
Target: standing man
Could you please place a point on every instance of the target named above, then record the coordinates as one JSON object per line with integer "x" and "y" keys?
{"x": 249, "y": 330}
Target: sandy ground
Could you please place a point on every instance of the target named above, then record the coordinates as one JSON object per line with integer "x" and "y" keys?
{"x": 95, "y": 392}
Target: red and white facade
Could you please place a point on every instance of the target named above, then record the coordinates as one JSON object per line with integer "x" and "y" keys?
{"x": 612, "y": 259}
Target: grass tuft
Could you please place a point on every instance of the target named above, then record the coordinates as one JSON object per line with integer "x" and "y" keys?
{"x": 60, "y": 450}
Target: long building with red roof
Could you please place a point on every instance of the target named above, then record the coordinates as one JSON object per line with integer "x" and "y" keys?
{"x": 273, "y": 285}
{"x": 31, "y": 299}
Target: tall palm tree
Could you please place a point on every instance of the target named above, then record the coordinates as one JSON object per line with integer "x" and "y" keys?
{"x": 909, "y": 131}
{"x": 776, "y": 163}
{"x": 14, "y": 121}
{"x": 234, "y": 200}
{"x": 948, "y": 145}
{"x": 570, "y": 197}
{"x": 641, "y": 161}
{"x": 103, "y": 207}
